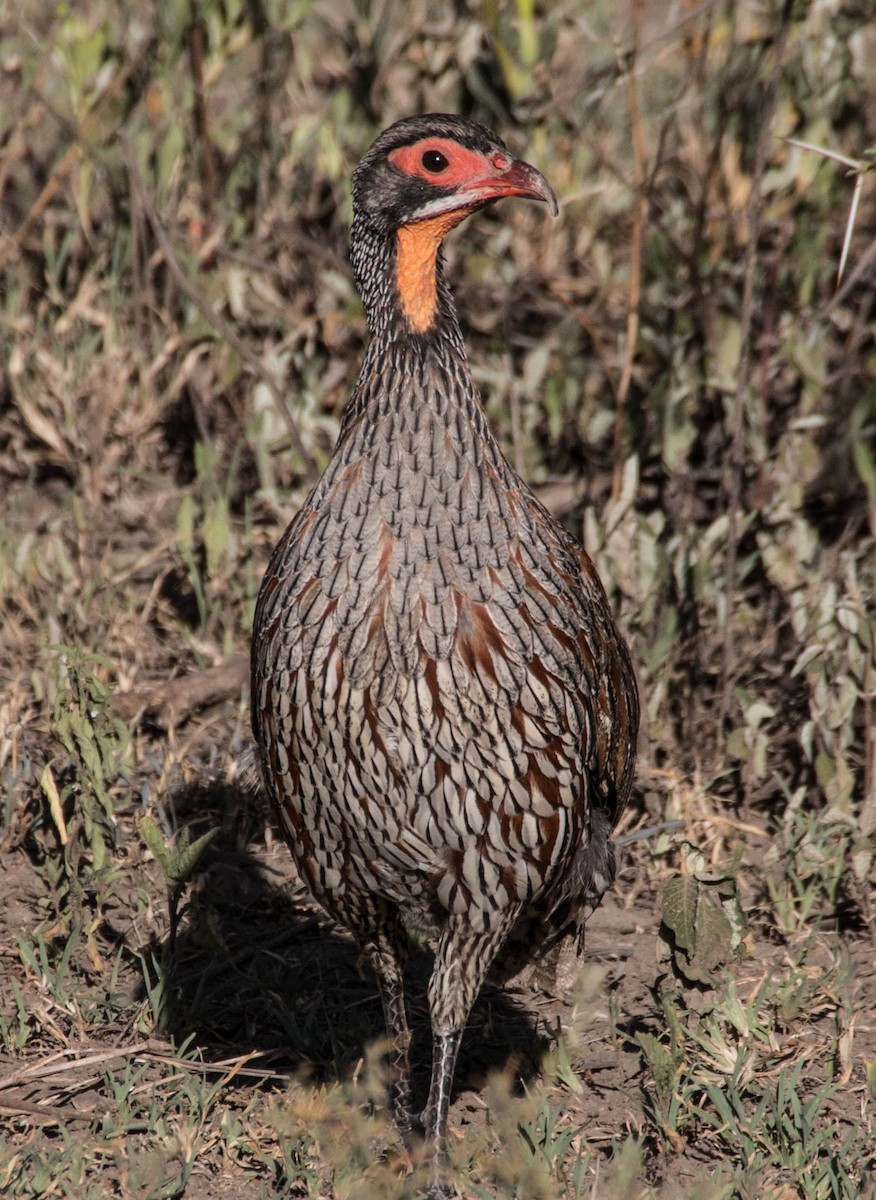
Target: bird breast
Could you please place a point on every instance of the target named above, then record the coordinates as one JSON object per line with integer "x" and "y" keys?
{"x": 428, "y": 662}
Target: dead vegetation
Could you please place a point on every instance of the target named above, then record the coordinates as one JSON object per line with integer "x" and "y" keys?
{"x": 679, "y": 366}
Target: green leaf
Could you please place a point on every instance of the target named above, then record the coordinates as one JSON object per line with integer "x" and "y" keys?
{"x": 680, "y": 900}
{"x": 737, "y": 744}
{"x": 185, "y": 526}
{"x": 217, "y": 534}
{"x": 186, "y": 856}
{"x": 664, "y": 1064}
{"x": 704, "y": 926}
{"x": 151, "y": 835}
{"x": 714, "y": 941}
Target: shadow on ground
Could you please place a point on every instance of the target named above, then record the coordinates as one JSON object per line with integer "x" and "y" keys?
{"x": 256, "y": 965}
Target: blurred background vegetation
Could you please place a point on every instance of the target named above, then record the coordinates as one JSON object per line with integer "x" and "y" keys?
{"x": 676, "y": 364}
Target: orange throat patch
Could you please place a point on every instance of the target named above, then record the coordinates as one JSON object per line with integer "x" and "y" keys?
{"x": 415, "y": 264}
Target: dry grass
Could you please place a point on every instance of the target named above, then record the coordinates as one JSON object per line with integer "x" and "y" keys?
{"x": 672, "y": 362}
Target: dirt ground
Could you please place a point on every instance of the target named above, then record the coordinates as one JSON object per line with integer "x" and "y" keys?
{"x": 682, "y": 363}
{"x": 277, "y": 999}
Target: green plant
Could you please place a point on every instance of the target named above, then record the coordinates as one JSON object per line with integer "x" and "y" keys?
{"x": 178, "y": 861}
{"x": 703, "y": 924}
{"x": 82, "y": 809}
{"x": 16, "y": 1028}
{"x": 558, "y": 1143}
{"x": 784, "y": 1129}
{"x": 806, "y": 866}
{"x": 663, "y": 1099}
{"x": 205, "y": 537}
{"x": 146, "y": 469}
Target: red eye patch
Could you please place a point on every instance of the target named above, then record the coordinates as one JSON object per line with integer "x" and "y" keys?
{"x": 463, "y": 166}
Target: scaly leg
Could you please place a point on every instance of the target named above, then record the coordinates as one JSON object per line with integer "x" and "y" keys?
{"x": 392, "y": 994}
{"x": 386, "y": 950}
{"x": 462, "y": 961}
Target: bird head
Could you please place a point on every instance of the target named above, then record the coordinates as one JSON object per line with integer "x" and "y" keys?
{"x": 426, "y": 167}
{"x": 419, "y": 179}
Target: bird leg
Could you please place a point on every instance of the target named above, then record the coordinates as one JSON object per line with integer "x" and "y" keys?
{"x": 445, "y": 1048}
{"x": 462, "y": 961}
{"x": 386, "y": 950}
{"x": 401, "y": 1108}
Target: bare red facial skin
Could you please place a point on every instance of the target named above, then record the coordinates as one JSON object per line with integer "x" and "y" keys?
{"x": 476, "y": 177}
{"x": 465, "y": 180}
{"x": 463, "y": 166}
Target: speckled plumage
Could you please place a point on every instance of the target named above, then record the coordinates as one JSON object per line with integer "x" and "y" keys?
{"x": 446, "y": 711}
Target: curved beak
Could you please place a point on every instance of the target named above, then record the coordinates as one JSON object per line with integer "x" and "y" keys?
{"x": 517, "y": 179}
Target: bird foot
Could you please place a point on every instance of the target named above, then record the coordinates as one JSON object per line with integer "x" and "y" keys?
{"x": 440, "y": 1191}
{"x": 410, "y": 1130}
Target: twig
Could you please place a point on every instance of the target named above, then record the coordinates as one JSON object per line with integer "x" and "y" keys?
{"x": 635, "y": 259}
{"x": 596, "y": 84}
{"x": 174, "y": 701}
{"x": 223, "y": 327}
{"x": 733, "y": 484}
{"x": 55, "y": 1115}
{"x": 46, "y": 1067}
{"x": 68, "y": 161}
{"x": 858, "y": 169}
{"x": 642, "y": 835}
{"x": 229, "y": 1067}
{"x": 202, "y": 123}
{"x": 858, "y": 272}
{"x": 593, "y": 333}
{"x": 742, "y": 826}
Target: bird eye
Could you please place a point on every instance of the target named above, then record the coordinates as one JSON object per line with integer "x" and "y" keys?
{"x": 434, "y": 161}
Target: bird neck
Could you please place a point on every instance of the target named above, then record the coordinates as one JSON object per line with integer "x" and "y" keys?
{"x": 400, "y": 275}
{"x": 410, "y": 377}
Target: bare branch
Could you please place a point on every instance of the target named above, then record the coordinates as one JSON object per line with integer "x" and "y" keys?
{"x": 222, "y": 326}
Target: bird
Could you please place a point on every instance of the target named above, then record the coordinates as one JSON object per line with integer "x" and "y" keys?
{"x": 445, "y": 710}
